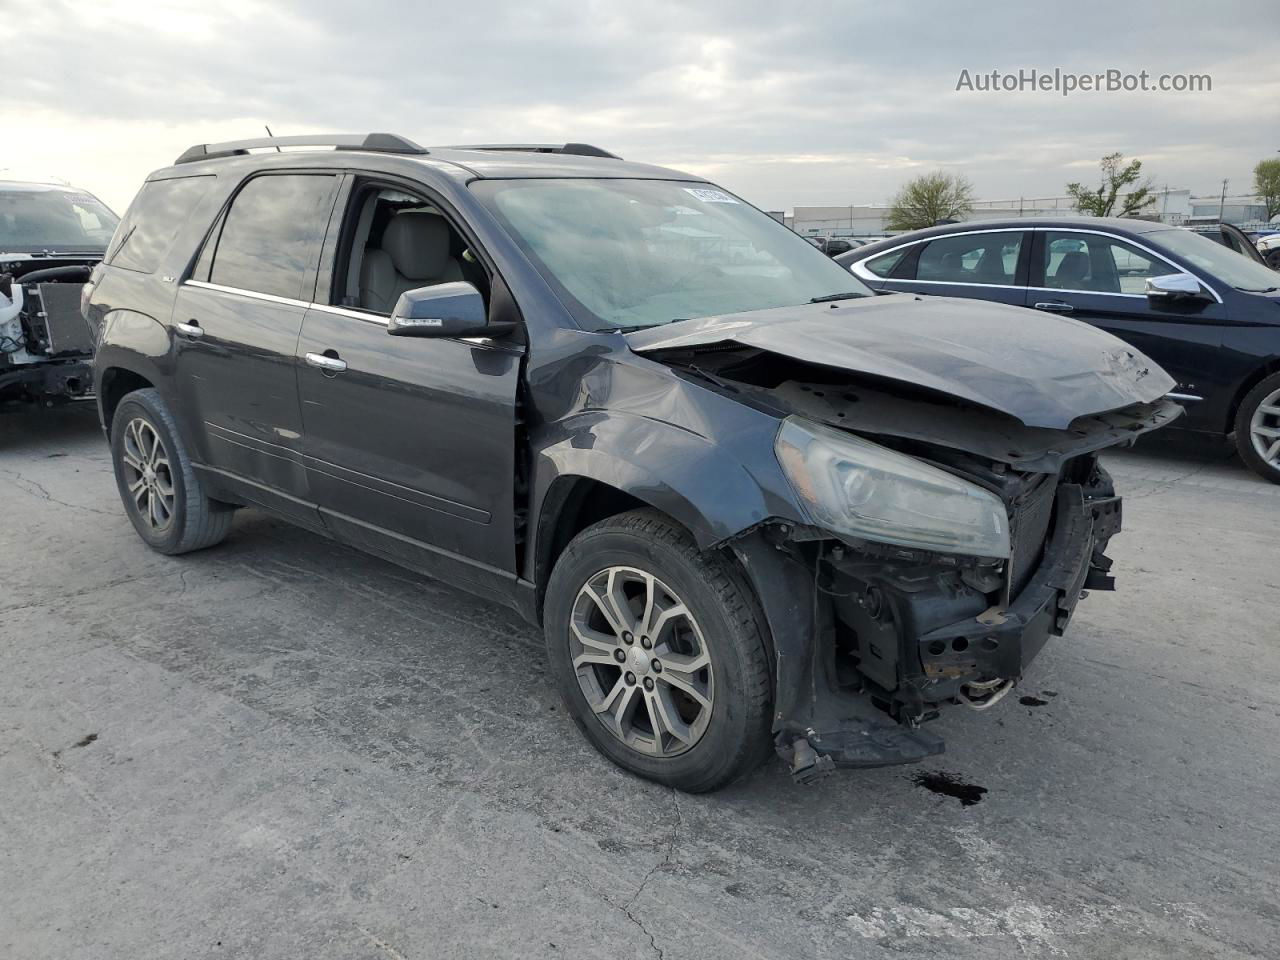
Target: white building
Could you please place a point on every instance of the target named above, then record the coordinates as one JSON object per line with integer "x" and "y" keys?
{"x": 1248, "y": 212}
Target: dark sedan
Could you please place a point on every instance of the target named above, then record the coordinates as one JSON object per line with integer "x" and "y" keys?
{"x": 1206, "y": 314}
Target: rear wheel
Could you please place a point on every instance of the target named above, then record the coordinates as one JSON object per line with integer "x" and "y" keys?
{"x": 1258, "y": 428}
{"x": 659, "y": 653}
{"x": 162, "y": 494}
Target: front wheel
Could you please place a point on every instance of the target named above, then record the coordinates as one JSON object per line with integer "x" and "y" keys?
{"x": 659, "y": 652}
{"x": 1258, "y": 428}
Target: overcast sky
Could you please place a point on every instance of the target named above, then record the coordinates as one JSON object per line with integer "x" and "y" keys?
{"x": 784, "y": 103}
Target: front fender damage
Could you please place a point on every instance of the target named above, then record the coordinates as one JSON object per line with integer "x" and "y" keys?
{"x": 812, "y": 711}
{"x": 870, "y": 642}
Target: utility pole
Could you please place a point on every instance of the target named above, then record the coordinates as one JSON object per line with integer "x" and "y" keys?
{"x": 1222, "y": 205}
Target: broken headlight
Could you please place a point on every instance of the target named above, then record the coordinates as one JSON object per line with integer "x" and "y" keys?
{"x": 855, "y": 487}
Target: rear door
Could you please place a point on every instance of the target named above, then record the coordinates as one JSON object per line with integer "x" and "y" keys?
{"x": 236, "y": 324}
{"x": 410, "y": 443}
{"x": 1101, "y": 279}
{"x": 1239, "y": 241}
{"x": 980, "y": 264}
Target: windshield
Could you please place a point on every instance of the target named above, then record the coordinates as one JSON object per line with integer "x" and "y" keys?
{"x": 35, "y": 218}
{"x": 637, "y": 253}
{"x": 1222, "y": 262}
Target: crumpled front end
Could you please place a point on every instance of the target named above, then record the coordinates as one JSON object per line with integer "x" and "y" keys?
{"x": 872, "y": 637}
{"x": 45, "y": 342}
{"x": 872, "y": 641}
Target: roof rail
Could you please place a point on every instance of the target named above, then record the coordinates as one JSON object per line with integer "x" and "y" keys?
{"x": 373, "y": 142}
{"x": 573, "y": 149}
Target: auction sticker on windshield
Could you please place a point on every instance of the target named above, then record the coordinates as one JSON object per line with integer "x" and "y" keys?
{"x": 709, "y": 196}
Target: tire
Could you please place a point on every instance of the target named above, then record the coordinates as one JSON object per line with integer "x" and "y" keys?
{"x": 699, "y": 748}
{"x": 184, "y": 518}
{"x": 1273, "y": 259}
{"x": 1261, "y": 451}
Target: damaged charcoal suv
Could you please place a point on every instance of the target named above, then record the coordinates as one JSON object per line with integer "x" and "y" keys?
{"x": 750, "y": 503}
{"x": 51, "y": 235}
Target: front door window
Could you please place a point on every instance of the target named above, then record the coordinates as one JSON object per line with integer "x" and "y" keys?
{"x": 1092, "y": 263}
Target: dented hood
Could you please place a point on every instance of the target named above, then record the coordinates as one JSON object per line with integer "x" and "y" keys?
{"x": 1043, "y": 370}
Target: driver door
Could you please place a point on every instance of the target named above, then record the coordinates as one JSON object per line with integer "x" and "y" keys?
{"x": 409, "y": 443}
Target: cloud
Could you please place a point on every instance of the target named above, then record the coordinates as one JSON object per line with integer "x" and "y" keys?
{"x": 787, "y": 104}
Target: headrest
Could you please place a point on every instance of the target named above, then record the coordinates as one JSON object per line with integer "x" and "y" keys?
{"x": 418, "y": 244}
{"x": 1074, "y": 266}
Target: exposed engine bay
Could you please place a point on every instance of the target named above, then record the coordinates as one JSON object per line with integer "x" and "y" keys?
{"x": 899, "y": 631}
{"x": 45, "y": 342}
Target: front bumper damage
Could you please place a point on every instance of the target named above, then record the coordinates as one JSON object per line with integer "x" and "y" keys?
{"x": 46, "y": 345}
{"x": 870, "y": 643}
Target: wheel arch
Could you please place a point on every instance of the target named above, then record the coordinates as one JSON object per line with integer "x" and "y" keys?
{"x": 571, "y": 504}
{"x": 1266, "y": 369}
{"x": 131, "y": 355}
{"x": 114, "y": 384}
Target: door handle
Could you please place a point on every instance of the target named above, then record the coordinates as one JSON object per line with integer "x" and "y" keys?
{"x": 191, "y": 328}
{"x": 1055, "y": 306}
{"x": 328, "y": 364}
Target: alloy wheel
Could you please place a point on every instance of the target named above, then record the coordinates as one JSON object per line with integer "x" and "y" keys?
{"x": 148, "y": 474}
{"x": 641, "y": 661}
{"x": 1264, "y": 429}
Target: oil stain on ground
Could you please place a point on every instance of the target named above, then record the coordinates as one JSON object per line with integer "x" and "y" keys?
{"x": 950, "y": 785}
{"x": 82, "y": 742}
{"x": 1030, "y": 701}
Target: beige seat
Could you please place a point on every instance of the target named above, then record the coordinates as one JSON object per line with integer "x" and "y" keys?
{"x": 414, "y": 252}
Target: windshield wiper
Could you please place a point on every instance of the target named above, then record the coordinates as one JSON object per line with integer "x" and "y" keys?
{"x": 1263, "y": 290}
{"x": 837, "y": 296}
{"x": 123, "y": 240}
{"x": 638, "y": 326}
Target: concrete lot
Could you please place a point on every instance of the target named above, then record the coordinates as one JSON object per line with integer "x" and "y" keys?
{"x": 283, "y": 748}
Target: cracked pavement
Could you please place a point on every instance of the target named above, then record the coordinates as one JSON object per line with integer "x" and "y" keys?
{"x": 281, "y": 747}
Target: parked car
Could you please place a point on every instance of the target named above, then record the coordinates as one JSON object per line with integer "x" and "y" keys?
{"x": 747, "y": 500}
{"x": 1207, "y": 315}
{"x": 1233, "y": 238}
{"x": 834, "y": 246}
{"x": 51, "y": 234}
{"x": 1269, "y": 246}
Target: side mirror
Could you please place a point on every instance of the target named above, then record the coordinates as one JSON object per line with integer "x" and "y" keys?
{"x": 1174, "y": 286}
{"x": 443, "y": 310}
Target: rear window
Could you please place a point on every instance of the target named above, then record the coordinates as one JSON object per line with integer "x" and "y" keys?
{"x": 271, "y": 236}
{"x": 153, "y": 220}
{"x": 981, "y": 258}
{"x": 882, "y": 266}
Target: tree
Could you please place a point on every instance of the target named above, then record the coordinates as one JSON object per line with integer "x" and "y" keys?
{"x": 926, "y": 199}
{"x": 1116, "y": 176}
{"x": 1266, "y": 184}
